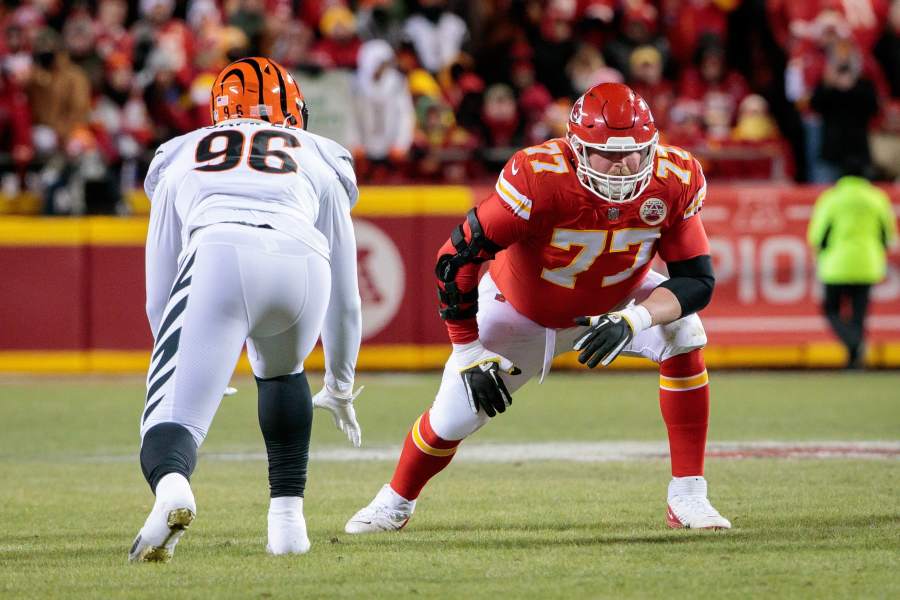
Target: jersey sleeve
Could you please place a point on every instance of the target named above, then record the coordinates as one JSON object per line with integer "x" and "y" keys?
{"x": 163, "y": 243}
{"x": 888, "y": 221}
{"x": 342, "y": 330}
{"x": 505, "y": 218}
{"x": 514, "y": 187}
{"x": 155, "y": 171}
{"x": 819, "y": 221}
{"x": 685, "y": 236}
{"x": 339, "y": 159}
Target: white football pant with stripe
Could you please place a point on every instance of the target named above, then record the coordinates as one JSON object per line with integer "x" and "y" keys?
{"x": 235, "y": 284}
{"x": 531, "y": 347}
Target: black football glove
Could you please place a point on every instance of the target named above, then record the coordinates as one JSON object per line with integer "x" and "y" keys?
{"x": 480, "y": 370}
{"x": 609, "y": 334}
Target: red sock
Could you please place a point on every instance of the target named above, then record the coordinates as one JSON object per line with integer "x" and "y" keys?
{"x": 424, "y": 455}
{"x": 684, "y": 401}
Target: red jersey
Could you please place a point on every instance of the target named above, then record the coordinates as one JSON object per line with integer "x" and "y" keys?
{"x": 567, "y": 252}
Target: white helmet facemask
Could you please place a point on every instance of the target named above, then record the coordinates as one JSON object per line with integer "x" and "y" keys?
{"x": 614, "y": 188}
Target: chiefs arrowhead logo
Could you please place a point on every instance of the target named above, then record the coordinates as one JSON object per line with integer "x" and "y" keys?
{"x": 578, "y": 114}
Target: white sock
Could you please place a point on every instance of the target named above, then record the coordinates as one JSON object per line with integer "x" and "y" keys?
{"x": 286, "y": 504}
{"x": 175, "y": 490}
{"x": 287, "y": 527}
{"x": 687, "y": 486}
{"x": 393, "y": 499}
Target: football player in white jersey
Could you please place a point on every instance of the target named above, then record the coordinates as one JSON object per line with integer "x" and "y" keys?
{"x": 250, "y": 240}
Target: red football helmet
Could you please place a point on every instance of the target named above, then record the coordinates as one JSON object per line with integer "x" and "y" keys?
{"x": 610, "y": 117}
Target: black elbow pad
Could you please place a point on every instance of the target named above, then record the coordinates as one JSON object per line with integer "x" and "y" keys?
{"x": 692, "y": 281}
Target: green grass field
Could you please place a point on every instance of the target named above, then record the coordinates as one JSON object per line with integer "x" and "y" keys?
{"x": 72, "y": 498}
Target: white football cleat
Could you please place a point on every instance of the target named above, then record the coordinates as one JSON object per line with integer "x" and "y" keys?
{"x": 689, "y": 508}
{"x": 287, "y": 527}
{"x": 172, "y": 514}
{"x": 388, "y": 511}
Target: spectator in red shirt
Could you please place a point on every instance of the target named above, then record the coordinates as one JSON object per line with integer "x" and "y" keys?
{"x": 501, "y": 122}
{"x": 291, "y": 43}
{"x": 533, "y": 96}
{"x": 15, "y": 124}
{"x": 112, "y": 36}
{"x": 646, "y": 78}
{"x": 339, "y": 45}
{"x": 639, "y": 26}
{"x": 587, "y": 69}
{"x": 687, "y": 22}
{"x": 166, "y": 98}
{"x": 15, "y": 58}
{"x": 711, "y": 82}
{"x": 440, "y": 147}
{"x": 159, "y": 31}
{"x": 686, "y": 124}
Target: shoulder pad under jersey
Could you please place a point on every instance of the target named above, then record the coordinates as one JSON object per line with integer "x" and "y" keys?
{"x": 338, "y": 158}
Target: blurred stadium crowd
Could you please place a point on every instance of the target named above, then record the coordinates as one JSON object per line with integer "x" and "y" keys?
{"x": 444, "y": 90}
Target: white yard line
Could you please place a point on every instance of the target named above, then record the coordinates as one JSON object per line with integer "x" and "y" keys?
{"x": 578, "y": 452}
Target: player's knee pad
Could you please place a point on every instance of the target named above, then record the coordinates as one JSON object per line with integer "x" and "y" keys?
{"x": 683, "y": 336}
{"x": 167, "y": 448}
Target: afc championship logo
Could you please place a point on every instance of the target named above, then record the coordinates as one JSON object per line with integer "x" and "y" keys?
{"x": 653, "y": 211}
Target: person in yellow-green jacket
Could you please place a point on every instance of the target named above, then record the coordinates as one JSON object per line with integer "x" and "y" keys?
{"x": 851, "y": 228}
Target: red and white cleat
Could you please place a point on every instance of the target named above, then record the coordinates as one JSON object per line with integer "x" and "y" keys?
{"x": 689, "y": 508}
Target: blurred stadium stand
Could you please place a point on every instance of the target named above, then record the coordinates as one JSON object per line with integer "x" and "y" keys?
{"x": 438, "y": 93}
{"x": 442, "y": 91}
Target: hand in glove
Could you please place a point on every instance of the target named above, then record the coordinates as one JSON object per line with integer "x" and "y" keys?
{"x": 480, "y": 369}
{"x": 609, "y": 333}
{"x": 341, "y": 408}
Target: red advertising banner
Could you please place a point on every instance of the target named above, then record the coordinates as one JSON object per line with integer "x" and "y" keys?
{"x": 73, "y": 297}
{"x": 766, "y": 287}
{"x": 766, "y": 294}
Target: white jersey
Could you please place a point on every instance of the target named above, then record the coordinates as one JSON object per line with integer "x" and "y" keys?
{"x": 253, "y": 172}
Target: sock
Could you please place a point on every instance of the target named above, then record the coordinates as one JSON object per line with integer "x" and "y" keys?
{"x": 167, "y": 448}
{"x": 684, "y": 402}
{"x": 286, "y": 526}
{"x": 286, "y": 505}
{"x": 424, "y": 455}
{"x": 285, "y": 419}
{"x": 173, "y": 489}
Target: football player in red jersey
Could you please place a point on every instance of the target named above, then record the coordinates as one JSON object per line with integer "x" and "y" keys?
{"x": 570, "y": 231}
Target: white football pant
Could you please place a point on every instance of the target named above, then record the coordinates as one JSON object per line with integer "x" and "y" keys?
{"x": 236, "y": 283}
{"x": 502, "y": 329}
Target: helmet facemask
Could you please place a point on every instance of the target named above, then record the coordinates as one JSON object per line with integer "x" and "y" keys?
{"x": 614, "y": 188}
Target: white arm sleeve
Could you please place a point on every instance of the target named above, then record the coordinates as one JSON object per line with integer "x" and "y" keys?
{"x": 342, "y": 332}
{"x": 163, "y": 243}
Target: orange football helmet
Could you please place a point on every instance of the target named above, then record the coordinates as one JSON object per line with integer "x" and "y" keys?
{"x": 258, "y": 88}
